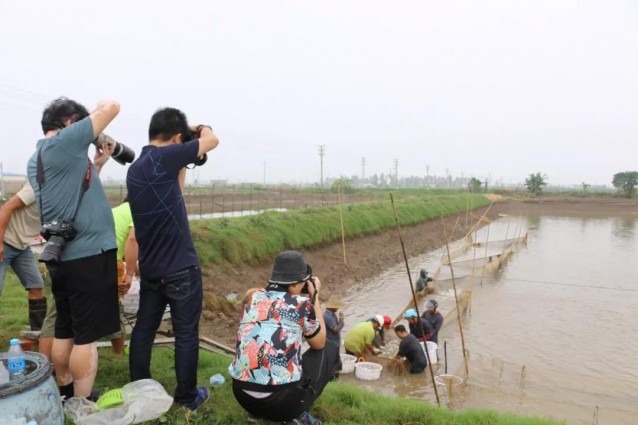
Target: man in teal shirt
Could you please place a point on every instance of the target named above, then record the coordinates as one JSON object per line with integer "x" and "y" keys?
{"x": 84, "y": 278}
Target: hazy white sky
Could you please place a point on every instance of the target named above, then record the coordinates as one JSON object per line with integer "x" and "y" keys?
{"x": 500, "y": 88}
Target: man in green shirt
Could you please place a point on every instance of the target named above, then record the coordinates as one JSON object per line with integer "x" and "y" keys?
{"x": 127, "y": 252}
{"x": 360, "y": 337}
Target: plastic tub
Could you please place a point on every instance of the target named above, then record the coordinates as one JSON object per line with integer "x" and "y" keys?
{"x": 347, "y": 363}
{"x": 33, "y": 397}
{"x": 367, "y": 371}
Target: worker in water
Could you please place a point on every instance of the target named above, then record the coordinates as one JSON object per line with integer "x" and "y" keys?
{"x": 359, "y": 339}
{"x": 411, "y": 350}
{"x": 379, "y": 337}
{"x": 419, "y": 327}
{"x": 435, "y": 318}
{"x": 423, "y": 280}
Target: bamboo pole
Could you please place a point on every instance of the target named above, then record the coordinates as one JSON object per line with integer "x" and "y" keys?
{"x": 343, "y": 233}
{"x": 456, "y": 300}
{"x": 416, "y": 307}
{"x": 482, "y": 218}
{"x": 487, "y": 241}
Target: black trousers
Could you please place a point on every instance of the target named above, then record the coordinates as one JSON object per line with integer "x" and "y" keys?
{"x": 291, "y": 400}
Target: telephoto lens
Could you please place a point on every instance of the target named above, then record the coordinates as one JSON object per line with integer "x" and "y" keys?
{"x": 121, "y": 153}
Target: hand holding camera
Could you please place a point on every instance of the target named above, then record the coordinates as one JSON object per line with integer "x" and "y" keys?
{"x": 313, "y": 284}
{"x": 119, "y": 152}
{"x": 196, "y": 133}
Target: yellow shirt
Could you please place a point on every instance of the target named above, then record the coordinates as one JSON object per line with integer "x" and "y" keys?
{"x": 358, "y": 337}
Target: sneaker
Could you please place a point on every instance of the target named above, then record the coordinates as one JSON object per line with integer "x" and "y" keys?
{"x": 202, "y": 396}
{"x": 304, "y": 419}
{"x": 95, "y": 394}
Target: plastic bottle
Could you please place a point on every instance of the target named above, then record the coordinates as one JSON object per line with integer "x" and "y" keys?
{"x": 15, "y": 360}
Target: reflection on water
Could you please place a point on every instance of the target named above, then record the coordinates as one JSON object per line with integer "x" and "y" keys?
{"x": 553, "y": 333}
{"x": 241, "y": 213}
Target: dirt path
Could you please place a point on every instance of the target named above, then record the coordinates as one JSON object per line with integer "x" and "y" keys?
{"x": 370, "y": 255}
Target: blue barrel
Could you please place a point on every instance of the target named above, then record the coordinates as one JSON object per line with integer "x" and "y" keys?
{"x": 35, "y": 396}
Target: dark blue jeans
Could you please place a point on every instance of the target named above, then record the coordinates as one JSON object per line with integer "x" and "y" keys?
{"x": 182, "y": 291}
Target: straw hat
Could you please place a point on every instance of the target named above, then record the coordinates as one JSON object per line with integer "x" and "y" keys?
{"x": 334, "y": 302}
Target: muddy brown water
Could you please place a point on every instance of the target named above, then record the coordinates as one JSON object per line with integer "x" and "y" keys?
{"x": 552, "y": 333}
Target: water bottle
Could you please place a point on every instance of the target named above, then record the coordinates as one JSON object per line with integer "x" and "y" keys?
{"x": 15, "y": 360}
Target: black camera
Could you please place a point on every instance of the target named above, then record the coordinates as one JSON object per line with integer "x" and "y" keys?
{"x": 121, "y": 153}
{"x": 57, "y": 233}
{"x": 189, "y": 137}
{"x": 305, "y": 290}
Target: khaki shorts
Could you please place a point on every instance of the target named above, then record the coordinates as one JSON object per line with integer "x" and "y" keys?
{"x": 48, "y": 327}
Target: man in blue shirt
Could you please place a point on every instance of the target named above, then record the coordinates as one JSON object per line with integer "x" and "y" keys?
{"x": 84, "y": 278}
{"x": 168, "y": 265}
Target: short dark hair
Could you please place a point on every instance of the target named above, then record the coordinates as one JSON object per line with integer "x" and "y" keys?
{"x": 399, "y": 328}
{"x": 61, "y": 110}
{"x": 167, "y": 122}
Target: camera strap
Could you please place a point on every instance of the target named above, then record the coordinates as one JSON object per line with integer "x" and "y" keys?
{"x": 86, "y": 183}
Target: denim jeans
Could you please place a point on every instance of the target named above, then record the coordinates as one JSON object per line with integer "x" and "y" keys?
{"x": 182, "y": 291}
{"x": 24, "y": 266}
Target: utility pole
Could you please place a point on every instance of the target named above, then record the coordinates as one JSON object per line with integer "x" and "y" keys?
{"x": 322, "y": 152}
{"x": 264, "y": 173}
{"x": 427, "y": 173}
{"x": 363, "y": 168}
{"x": 447, "y": 177}
{"x": 396, "y": 172}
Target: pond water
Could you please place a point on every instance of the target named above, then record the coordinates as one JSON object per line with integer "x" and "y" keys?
{"x": 552, "y": 333}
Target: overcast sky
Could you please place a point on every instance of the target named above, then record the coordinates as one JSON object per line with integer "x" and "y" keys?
{"x": 481, "y": 88}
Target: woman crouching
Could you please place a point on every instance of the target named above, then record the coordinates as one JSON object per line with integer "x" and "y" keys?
{"x": 271, "y": 379}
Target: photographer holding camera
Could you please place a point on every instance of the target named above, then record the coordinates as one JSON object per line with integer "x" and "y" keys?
{"x": 80, "y": 255}
{"x": 168, "y": 265}
{"x": 271, "y": 379}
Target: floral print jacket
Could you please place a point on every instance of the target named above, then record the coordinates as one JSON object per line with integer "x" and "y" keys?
{"x": 270, "y": 336}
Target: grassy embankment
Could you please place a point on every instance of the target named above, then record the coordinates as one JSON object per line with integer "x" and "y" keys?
{"x": 256, "y": 239}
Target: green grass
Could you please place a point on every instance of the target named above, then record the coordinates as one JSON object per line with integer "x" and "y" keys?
{"x": 340, "y": 404}
{"x": 255, "y": 239}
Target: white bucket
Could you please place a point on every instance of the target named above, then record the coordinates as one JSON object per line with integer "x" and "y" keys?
{"x": 347, "y": 363}
{"x": 431, "y": 353}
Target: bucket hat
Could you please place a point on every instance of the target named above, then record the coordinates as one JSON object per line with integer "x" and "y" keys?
{"x": 289, "y": 268}
{"x": 431, "y": 304}
{"x": 334, "y": 302}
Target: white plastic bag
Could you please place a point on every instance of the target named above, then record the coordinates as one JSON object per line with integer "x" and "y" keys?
{"x": 144, "y": 400}
{"x": 131, "y": 300}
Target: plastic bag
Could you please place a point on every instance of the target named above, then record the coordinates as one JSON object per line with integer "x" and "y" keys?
{"x": 131, "y": 300}
{"x": 144, "y": 400}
